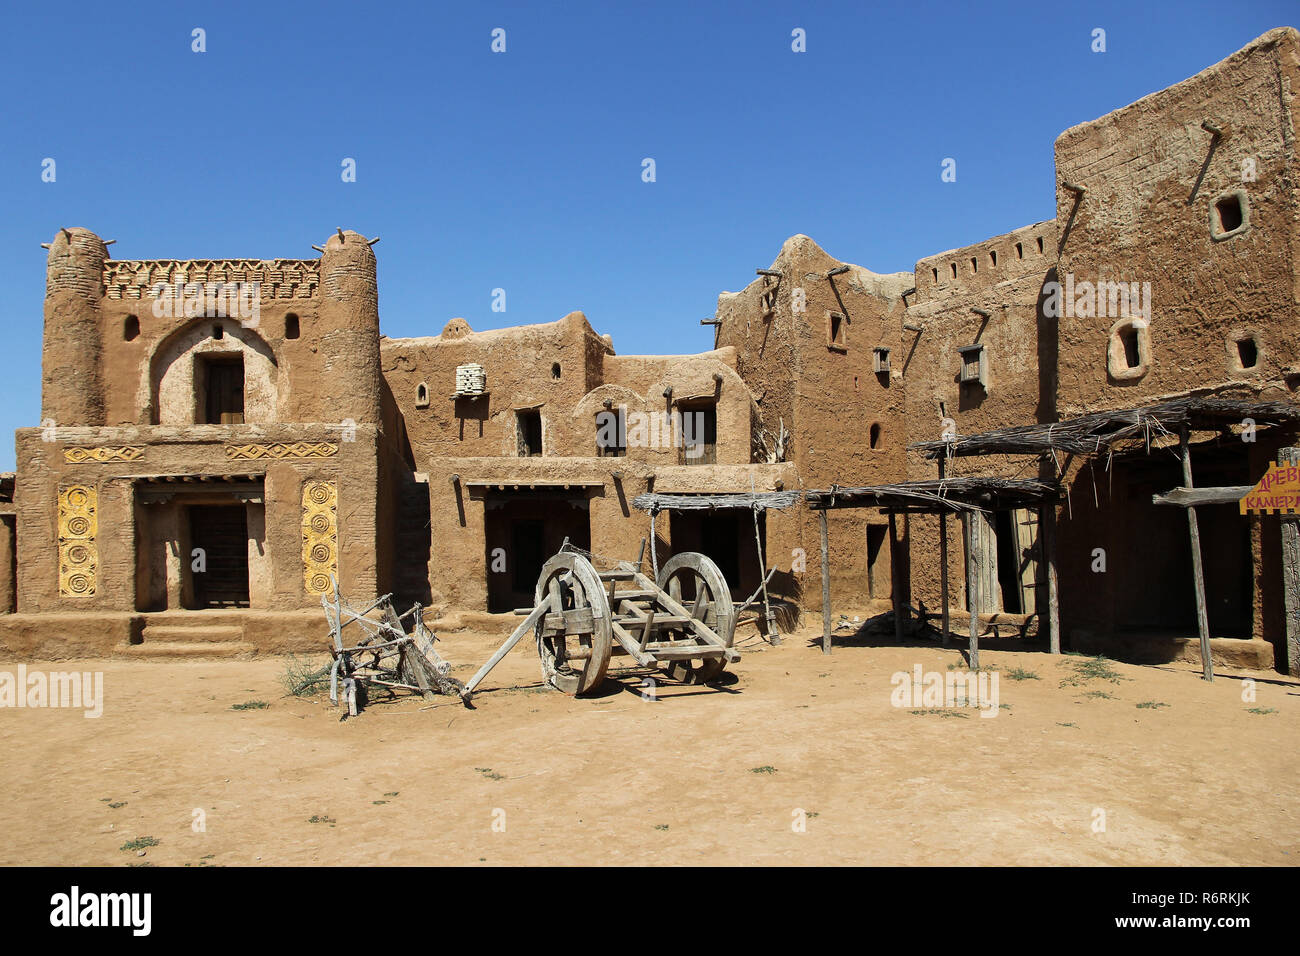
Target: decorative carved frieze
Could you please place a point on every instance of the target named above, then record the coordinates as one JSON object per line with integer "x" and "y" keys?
{"x": 281, "y": 450}
{"x": 78, "y": 555}
{"x": 277, "y": 278}
{"x": 78, "y": 454}
{"x": 320, "y": 535}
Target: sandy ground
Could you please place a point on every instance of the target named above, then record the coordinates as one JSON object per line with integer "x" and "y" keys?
{"x": 699, "y": 775}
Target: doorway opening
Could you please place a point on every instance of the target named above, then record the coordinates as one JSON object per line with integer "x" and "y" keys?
{"x": 218, "y": 559}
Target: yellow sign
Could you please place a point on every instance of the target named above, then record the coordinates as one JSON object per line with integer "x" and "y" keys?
{"x": 1277, "y": 492}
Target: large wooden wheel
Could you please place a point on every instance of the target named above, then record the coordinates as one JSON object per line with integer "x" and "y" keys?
{"x": 574, "y": 637}
{"x": 693, "y": 580}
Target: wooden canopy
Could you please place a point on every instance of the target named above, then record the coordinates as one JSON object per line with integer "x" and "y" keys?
{"x": 1099, "y": 431}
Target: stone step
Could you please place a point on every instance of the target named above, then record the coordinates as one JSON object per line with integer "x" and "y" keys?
{"x": 188, "y": 649}
{"x": 192, "y": 633}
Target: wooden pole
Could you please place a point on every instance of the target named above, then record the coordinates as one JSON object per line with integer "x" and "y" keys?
{"x": 971, "y": 520}
{"x": 772, "y": 636}
{"x": 943, "y": 562}
{"x": 1198, "y": 574}
{"x": 654, "y": 556}
{"x": 895, "y": 578}
{"x": 1290, "y": 531}
{"x": 1047, "y": 537}
{"x": 826, "y": 585}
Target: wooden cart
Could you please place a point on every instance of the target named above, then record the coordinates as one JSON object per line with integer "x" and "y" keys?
{"x": 581, "y": 618}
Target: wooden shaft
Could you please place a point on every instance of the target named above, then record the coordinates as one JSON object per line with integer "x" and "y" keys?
{"x": 1047, "y": 537}
{"x": 826, "y": 585}
{"x": 1198, "y": 573}
{"x": 1290, "y": 532}
{"x": 971, "y": 520}
{"x": 511, "y": 641}
{"x": 895, "y": 578}
{"x": 943, "y": 562}
{"x": 654, "y": 556}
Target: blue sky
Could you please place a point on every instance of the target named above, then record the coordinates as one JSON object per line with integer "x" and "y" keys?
{"x": 522, "y": 170}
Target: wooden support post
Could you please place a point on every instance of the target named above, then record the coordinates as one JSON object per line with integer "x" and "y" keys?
{"x": 654, "y": 555}
{"x": 1198, "y": 574}
{"x": 943, "y": 563}
{"x": 896, "y": 578}
{"x": 770, "y": 621}
{"x": 1290, "y": 531}
{"x": 826, "y": 585}
{"x": 1047, "y": 538}
{"x": 971, "y": 521}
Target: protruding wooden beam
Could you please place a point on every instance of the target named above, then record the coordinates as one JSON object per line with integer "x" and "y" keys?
{"x": 1191, "y": 497}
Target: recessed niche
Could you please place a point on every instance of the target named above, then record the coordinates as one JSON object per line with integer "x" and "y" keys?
{"x": 422, "y": 395}
{"x": 1229, "y": 215}
{"x": 1244, "y": 351}
{"x": 292, "y": 327}
{"x": 1128, "y": 355}
{"x": 875, "y": 434}
{"x": 555, "y": 370}
{"x": 837, "y": 331}
{"x": 131, "y": 328}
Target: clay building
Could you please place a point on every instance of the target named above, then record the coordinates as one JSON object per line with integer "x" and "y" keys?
{"x": 220, "y": 437}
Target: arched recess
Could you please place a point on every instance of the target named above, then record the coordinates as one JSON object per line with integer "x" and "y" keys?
{"x": 175, "y": 375}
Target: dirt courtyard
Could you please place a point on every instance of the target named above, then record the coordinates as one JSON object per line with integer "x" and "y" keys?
{"x": 802, "y": 760}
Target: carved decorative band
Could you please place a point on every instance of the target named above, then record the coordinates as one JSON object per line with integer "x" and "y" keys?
{"x": 78, "y": 454}
{"x": 281, "y": 450}
{"x": 320, "y": 535}
{"x": 78, "y": 555}
{"x": 278, "y": 278}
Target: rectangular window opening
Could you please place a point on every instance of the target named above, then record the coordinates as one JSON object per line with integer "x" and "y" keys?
{"x": 1132, "y": 354}
{"x": 1228, "y": 209}
{"x": 611, "y": 433}
{"x": 699, "y": 433}
{"x": 221, "y": 390}
{"x": 528, "y": 429}
{"x": 1248, "y": 352}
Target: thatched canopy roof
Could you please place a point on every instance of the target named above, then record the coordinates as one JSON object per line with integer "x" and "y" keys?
{"x": 1100, "y": 431}
{"x": 939, "y": 495}
{"x": 707, "y": 502}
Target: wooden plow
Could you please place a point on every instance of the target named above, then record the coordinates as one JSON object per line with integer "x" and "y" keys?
{"x": 385, "y": 655}
{"x": 683, "y": 621}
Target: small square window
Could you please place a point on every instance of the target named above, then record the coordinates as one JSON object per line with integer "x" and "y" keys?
{"x": 880, "y": 360}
